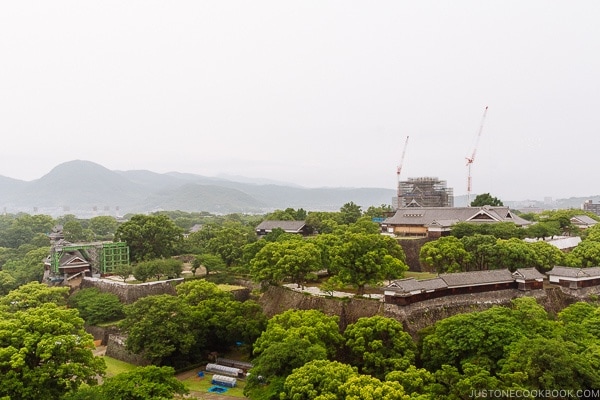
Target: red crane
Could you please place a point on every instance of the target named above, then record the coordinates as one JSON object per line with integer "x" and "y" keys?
{"x": 472, "y": 158}
{"x": 399, "y": 170}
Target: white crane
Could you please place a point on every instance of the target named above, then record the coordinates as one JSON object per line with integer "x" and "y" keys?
{"x": 399, "y": 170}
{"x": 472, "y": 158}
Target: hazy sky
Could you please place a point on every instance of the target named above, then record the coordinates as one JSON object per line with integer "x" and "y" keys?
{"x": 316, "y": 93}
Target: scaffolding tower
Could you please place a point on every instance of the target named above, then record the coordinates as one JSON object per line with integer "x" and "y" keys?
{"x": 425, "y": 192}
{"x": 104, "y": 258}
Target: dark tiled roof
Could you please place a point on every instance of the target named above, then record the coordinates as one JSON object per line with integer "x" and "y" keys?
{"x": 446, "y": 216}
{"x": 528, "y": 274}
{"x": 568, "y": 272}
{"x": 584, "y": 219}
{"x": 288, "y": 226}
{"x": 411, "y": 284}
{"x": 474, "y": 278}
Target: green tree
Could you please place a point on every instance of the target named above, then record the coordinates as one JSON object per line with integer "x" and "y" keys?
{"x": 478, "y": 338}
{"x": 292, "y": 339}
{"x": 75, "y": 233}
{"x": 378, "y": 345}
{"x": 317, "y": 379}
{"x": 550, "y": 364}
{"x": 46, "y": 353}
{"x": 513, "y": 254}
{"x": 453, "y": 383}
{"x": 143, "y": 383}
{"x": 446, "y": 254}
{"x": 160, "y": 327}
{"x": 34, "y": 294}
{"x": 350, "y": 213}
{"x": 29, "y": 267}
{"x": 482, "y": 250}
{"x": 150, "y": 236}
{"x": 104, "y": 226}
{"x": 291, "y": 258}
{"x": 210, "y": 262}
{"x": 96, "y": 307}
{"x": 229, "y": 241}
{"x": 542, "y": 230}
{"x": 196, "y": 291}
{"x": 367, "y": 259}
{"x": 7, "y": 283}
{"x": 416, "y": 381}
{"x": 585, "y": 254}
{"x": 361, "y": 387}
{"x": 547, "y": 255}
{"x": 325, "y": 242}
{"x": 123, "y": 271}
{"x": 486, "y": 199}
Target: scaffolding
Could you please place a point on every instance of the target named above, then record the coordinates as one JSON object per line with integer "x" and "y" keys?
{"x": 104, "y": 258}
{"x": 425, "y": 192}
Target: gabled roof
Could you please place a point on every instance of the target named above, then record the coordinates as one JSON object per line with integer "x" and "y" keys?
{"x": 288, "y": 226}
{"x": 569, "y": 272}
{"x": 583, "y": 220}
{"x": 411, "y": 284}
{"x": 447, "y": 216}
{"x": 474, "y": 278}
{"x": 528, "y": 274}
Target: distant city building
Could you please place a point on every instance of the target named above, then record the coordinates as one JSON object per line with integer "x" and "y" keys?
{"x": 424, "y": 192}
{"x": 588, "y": 205}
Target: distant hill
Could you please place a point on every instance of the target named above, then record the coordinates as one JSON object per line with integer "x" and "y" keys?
{"x": 86, "y": 189}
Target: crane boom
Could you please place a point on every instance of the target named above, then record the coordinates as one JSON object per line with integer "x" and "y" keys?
{"x": 472, "y": 158}
{"x": 399, "y": 170}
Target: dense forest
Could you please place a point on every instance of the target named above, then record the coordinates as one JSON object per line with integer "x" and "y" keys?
{"x": 515, "y": 351}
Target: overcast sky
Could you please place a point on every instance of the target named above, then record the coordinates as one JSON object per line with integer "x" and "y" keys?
{"x": 315, "y": 93}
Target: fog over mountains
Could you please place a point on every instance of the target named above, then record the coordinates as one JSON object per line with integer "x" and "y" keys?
{"x": 85, "y": 189}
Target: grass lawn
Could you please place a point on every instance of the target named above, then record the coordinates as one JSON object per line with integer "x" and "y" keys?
{"x": 419, "y": 275}
{"x": 115, "y": 367}
{"x": 196, "y": 384}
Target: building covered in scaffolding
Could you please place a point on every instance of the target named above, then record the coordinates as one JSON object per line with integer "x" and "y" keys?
{"x": 424, "y": 192}
{"x": 70, "y": 260}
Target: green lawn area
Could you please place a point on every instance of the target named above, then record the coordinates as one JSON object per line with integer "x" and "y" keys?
{"x": 419, "y": 275}
{"x": 115, "y": 367}
{"x": 196, "y": 384}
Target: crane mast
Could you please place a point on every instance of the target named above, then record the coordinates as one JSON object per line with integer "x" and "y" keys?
{"x": 399, "y": 170}
{"x": 472, "y": 158}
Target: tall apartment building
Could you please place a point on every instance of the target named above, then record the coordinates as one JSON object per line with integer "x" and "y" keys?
{"x": 588, "y": 205}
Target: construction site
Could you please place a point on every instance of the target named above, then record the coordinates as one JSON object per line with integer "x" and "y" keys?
{"x": 68, "y": 262}
{"x": 431, "y": 191}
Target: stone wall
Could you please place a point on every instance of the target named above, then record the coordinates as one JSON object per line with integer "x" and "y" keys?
{"x": 115, "y": 348}
{"x": 412, "y": 247}
{"x": 419, "y": 315}
{"x": 129, "y": 293}
{"x": 278, "y": 299}
{"x": 101, "y": 333}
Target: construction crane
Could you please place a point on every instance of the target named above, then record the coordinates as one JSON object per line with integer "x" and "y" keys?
{"x": 472, "y": 158}
{"x": 399, "y": 170}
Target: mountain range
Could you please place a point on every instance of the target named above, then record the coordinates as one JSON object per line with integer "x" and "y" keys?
{"x": 85, "y": 189}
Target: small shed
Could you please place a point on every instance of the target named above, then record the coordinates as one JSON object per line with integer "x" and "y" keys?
{"x": 223, "y": 380}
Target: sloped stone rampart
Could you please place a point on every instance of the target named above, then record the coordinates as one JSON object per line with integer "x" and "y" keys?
{"x": 116, "y": 349}
{"x": 129, "y": 293}
{"x": 279, "y": 299}
{"x": 419, "y": 315}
